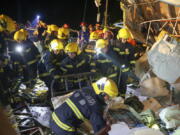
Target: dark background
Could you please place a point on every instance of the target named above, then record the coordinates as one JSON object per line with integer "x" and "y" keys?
{"x": 59, "y": 11}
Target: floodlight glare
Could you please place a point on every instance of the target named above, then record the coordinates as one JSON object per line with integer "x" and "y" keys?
{"x": 19, "y": 49}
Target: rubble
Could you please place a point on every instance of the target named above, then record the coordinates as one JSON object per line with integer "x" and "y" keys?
{"x": 164, "y": 58}
{"x": 146, "y": 18}
{"x": 152, "y": 104}
{"x": 171, "y": 116}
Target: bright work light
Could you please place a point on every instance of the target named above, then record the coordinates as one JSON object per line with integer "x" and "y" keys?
{"x": 19, "y": 48}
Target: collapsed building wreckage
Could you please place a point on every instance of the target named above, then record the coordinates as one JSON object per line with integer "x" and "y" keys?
{"x": 156, "y": 23}
{"x": 146, "y": 19}
{"x": 149, "y": 22}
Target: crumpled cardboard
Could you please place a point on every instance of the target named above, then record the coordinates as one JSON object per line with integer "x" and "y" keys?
{"x": 153, "y": 87}
{"x": 141, "y": 66}
{"x": 152, "y": 104}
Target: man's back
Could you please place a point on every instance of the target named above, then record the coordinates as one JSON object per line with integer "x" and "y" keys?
{"x": 89, "y": 105}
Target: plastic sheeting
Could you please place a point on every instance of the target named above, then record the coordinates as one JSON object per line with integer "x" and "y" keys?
{"x": 171, "y": 116}
{"x": 122, "y": 128}
{"x": 147, "y": 132}
{"x": 177, "y": 132}
{"x": 164, "y": 57}
{"x": 42, "y": 115}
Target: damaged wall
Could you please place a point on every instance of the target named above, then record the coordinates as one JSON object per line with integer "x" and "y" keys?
{"x": 137, "y": 12}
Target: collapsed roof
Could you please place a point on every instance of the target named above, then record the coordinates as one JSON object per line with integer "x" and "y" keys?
{"x": 146, "y": 18}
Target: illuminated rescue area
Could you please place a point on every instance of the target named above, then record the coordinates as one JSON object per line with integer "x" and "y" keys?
{"x": 90, "y": 67}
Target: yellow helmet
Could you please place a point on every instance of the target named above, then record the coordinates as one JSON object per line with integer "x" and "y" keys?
{"x": 24, "y": 31}
{"x": 124, "y": 33}
{"x": 54, "y": 27}
{"x": 7, "y": 23}
{"x": 101, "y": 43}
{"x": 48, "y": 29}
{"x": 51, "y": 28}
{"x": 72, "y": 47}
{"x": 41, "y": 23}
{"x": 19, "y": 36}
{"x": 35, "y": 32}
{"x": 94, "y": 35}
{"x": 105, "y": 29}
{"x": 3, "y": 24}
{"x": 56, "y": 44}
{"x": 105, "y": 85}
{"x": 63, "y": 33}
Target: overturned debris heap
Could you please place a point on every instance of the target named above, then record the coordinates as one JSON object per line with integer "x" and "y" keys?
{"x": 146, "y": 18}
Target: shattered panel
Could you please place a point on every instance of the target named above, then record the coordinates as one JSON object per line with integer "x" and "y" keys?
{"x": 136, "y": 12}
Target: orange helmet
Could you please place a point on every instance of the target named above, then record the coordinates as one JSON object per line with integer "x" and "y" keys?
{"x": 97, "y": 25}
{"x": 83, "y": 24}
{"x": 66, "y": 26}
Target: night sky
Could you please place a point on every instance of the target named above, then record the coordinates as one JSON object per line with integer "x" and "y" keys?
{"x": 58, "y": 11}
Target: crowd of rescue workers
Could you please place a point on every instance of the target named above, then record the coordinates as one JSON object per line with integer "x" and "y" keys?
{"x": 49, "y": 52}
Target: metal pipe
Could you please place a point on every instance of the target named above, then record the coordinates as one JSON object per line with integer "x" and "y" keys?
{"x": 163, "y": 20}
{"x": 106, "y": 13}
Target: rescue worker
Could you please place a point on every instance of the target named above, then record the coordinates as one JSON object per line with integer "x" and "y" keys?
{"x": 52, "y": 58}
{"x": 94, "y": 36}
{"x": 83, "y": 36}
{"x": 99, "y": 30}
{"x": 3, "y": 46}
{"x": 7, "y": 27}
{"x": 49, "y": 67}
{"x": 9, "y": 69}
{"x": 64, "y": 33}
{"x": 16, "y": 64}
{"x": 87, "y": 103}
{"x": 30, "y": 57}
{"x": 10, "y": 78}
{"x": 90, "y": 51}
{"x": 52, "y": 32}
{"x": 138, "y": 46}
{"x": 108, "y": 63}
{"x": 40, "y": 35}
{"x": 76, "y": 62}
{"x": 126, "y": 49}
{"x": 91, "y": 28}
{"x": 108, "y": 35}
{"x": 41, "y": 29}
{"x": 5, "y": 74}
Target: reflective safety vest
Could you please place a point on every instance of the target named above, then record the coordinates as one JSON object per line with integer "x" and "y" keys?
{"x": 61, "y": 124}
{"x": 76, "y": 111}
